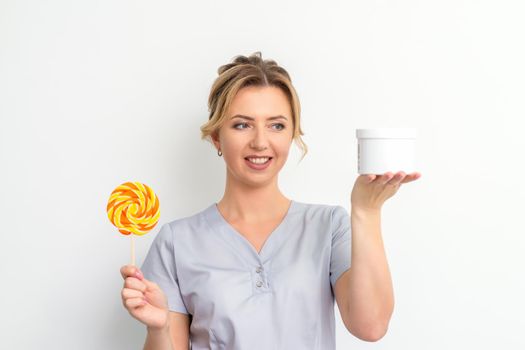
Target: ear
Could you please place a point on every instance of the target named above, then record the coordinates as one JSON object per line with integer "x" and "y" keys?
{"x": 215, "y": 139}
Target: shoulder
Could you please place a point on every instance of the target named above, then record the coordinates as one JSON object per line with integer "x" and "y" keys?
{"x": 321, "y": 210}
{"x": 334, "y": 217}
{"x": 185, "y": 225}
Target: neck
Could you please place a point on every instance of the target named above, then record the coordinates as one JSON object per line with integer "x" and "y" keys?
{"x": 245, "y": 203}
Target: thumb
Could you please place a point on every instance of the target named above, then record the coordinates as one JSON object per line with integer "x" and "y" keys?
{"x": 370, "y": 178}
{"x": 152, "y": 286}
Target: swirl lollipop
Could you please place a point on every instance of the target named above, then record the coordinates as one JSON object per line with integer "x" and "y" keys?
{"x": 133, "y": 208}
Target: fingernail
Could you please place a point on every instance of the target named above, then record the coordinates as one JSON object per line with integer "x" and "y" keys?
{"x": 138, "y": 274}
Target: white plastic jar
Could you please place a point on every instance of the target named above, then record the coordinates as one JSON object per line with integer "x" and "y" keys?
{"x": 383, "y": 150}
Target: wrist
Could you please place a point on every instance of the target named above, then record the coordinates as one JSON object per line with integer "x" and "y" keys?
{"x": 362, "y": 212}
{"x": 159, "y": 330}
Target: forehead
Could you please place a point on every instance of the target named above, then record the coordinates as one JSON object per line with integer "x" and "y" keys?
{"x": 260, "y": 102}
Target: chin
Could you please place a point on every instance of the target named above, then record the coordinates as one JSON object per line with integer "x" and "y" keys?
{"x": 258, "y": 180}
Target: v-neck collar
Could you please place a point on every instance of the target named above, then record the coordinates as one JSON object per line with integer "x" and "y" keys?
{"x": 240, "y": 243}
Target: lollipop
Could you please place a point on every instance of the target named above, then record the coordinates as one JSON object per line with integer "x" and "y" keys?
{"x": 133, "y": 208}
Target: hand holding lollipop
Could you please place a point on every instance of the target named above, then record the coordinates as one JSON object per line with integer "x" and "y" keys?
{"x": 134, "y": 209}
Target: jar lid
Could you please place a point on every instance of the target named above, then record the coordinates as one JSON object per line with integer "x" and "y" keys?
{"x": 387, "y": 133}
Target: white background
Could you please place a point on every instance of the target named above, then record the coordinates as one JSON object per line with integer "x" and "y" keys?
{"x": 96, "y": 93}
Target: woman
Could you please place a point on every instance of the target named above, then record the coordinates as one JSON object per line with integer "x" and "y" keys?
{"x": 258, "y": 270}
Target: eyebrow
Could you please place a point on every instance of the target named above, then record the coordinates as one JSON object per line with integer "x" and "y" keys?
{"x": 250, "y": 118}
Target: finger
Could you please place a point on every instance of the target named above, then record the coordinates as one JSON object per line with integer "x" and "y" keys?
{"x": 134, "y": 302}
{"x": 134, "y": 283}
{"x": 151, "y": 286}
{"x": 131, "y": 293}
{"x": 367, "y": 178}
{"x": 411, "y": 177}
{"x": 123, "y": 271}
{"x": 386, "y": 177}
{"x": 397, "y": 178}
{"x": 127, "y": 270}
{"x": 130, "y": 271}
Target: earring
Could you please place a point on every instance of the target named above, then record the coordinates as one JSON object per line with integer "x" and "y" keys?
{"x": 219, "y": 153}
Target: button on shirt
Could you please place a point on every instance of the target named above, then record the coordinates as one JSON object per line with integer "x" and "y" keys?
{"x": 238, "y": 299}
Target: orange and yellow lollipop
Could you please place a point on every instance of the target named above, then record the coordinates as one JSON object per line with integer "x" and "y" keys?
{"x": 134, "y": 209}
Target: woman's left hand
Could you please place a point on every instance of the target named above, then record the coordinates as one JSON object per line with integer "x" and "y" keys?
{"x": 371, "y": 191}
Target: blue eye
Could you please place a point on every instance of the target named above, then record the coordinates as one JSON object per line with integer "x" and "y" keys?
{"x": 235, "y": 126}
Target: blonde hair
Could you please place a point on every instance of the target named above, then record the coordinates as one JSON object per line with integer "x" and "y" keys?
{"x": 249, "y": 71}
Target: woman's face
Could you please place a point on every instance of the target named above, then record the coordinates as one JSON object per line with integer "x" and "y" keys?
{"x": 249, "y": 131}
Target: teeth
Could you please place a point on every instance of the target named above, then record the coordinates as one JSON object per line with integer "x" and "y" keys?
{"x": 258, "y": 160}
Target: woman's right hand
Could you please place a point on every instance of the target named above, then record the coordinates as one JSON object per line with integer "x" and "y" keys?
{"x": 144, "y": 299}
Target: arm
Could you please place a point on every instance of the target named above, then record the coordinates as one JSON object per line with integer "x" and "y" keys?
{"x": 158, "y": 339}
{"x": 175, "y": 336}
{"x": 364, "y": 293}
{"x": 369, "y": 286}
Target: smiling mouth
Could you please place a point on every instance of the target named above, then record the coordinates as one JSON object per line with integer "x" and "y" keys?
{"x": 268, "y": 159}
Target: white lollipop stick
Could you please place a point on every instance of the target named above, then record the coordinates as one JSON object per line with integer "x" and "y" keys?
{"x": 132, "y": 249}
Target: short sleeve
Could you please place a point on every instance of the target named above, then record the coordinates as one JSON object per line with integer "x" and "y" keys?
{"x": 159, "y": 267}
{"x": 340, "y": 259}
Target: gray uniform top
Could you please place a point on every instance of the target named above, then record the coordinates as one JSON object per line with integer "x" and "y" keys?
{"x": 280, "y": 298}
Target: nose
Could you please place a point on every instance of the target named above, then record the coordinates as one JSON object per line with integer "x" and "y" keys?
{"x": 259, "y": 140}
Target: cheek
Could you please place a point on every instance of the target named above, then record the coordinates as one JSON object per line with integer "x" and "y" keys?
{"x": 283, "y": 147}
{"x": 232, "y": 153}
{"x": 232, "y": 145}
